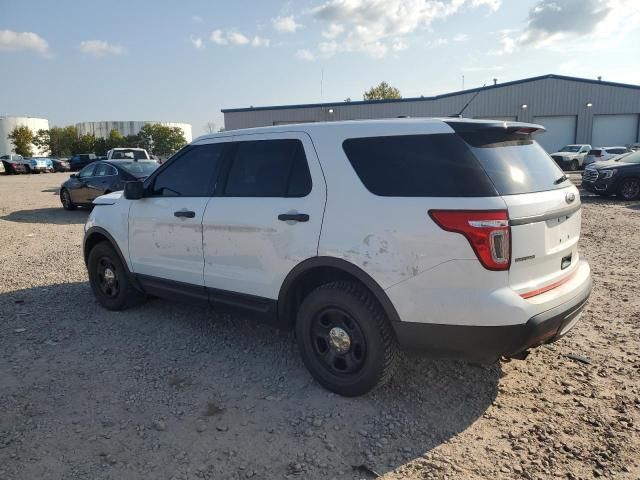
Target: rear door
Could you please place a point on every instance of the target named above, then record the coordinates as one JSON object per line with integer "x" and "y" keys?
{"x": 267, "y": 216}
{"x": 543, "y": 207}
{"x": 165, "y": 227}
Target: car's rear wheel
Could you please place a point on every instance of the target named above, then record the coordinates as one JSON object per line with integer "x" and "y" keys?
{"x": 110, "y": 280}
{"x": 345, "y": 339}
{"x": 629, "y": 189}
{"x": 65, "y": 198}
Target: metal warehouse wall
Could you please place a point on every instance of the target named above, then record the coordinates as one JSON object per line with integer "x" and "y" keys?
{"x": 544, "y": 96}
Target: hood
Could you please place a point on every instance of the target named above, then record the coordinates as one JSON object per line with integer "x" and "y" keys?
{"x": 605, "y": 164}
{"x": 108, "y": 199}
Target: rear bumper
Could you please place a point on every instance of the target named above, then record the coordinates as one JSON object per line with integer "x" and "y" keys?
{"x": 486, "y": 344}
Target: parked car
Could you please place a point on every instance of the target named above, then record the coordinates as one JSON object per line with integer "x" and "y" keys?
{"x": 99, "y": 178}
{"x": 39, "y": 164}
{"x": 81, "y": 160}
{"x": 602, "y": 154}
{"x": 61, "y": 165}
{"x": 571, "y": 157}
{"x": 620, "y": 176}
{"x": 454, "y": 237}
{"x": 127, "y": 153}
{"x": 2, "y": 167}
{"x": 634, "y": 146}
{"x": 14, "y": 164}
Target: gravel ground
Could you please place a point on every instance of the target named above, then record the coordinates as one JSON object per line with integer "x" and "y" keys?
{"x": 170, "y": 391}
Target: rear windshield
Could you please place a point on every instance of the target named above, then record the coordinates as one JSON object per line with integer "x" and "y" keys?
{"x": 136, "y": 154}
{"x": 595, "y": 152}
{"x": 139, "y": 169}
{"x": 452, "y": 165}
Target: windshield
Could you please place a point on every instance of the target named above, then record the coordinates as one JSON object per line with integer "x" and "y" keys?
{"x": 514, "y": 164}
{"x": 630, "y": 158}
{"x": 136, "y": 154}
{"x": 139, "y": 169}
{"x": 570, "y": 148}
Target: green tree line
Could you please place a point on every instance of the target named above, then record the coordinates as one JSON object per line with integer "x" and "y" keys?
{"x": 65, "y": 141}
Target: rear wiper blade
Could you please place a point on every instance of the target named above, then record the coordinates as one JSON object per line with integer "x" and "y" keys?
{"x": 560, "y": 180}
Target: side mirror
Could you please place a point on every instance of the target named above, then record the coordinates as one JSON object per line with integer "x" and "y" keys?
{"x": 73, "y": 175}
{"x": 134, "y": 190}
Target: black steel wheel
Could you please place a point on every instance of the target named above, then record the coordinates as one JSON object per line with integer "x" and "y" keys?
{"x": 629, "y": 189}
{"x": 345, "y": 339}
{"x": 65, "y": 198}
{"x": 110, "y": 280}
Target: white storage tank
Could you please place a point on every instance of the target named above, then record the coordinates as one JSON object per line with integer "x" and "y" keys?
{"x": 7, "y": 124}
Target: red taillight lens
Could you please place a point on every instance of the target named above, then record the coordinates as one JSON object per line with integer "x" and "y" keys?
{"x": 488, "y": 233}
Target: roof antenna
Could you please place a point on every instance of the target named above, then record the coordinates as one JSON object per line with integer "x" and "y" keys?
{"x": 459, "y": 115}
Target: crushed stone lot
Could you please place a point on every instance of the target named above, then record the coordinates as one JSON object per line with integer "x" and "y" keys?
{"x": 169, "y": 391}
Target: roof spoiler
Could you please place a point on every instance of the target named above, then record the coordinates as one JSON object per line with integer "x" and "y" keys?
{"x": 512, "y": 128}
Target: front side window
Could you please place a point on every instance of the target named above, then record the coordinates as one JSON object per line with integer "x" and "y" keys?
{"x": 269, "y": 168}
{"x": 192, "y": 174}
{"x": 87, "y": 171}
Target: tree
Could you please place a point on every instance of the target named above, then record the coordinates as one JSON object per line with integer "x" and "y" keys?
{"x": 57, "y": 141}
{"x": 160, "y": 139}
{"x": 84, "y": 144}
{"x": 22, "y": 138}
{"x": 383, "y": 91}
{"x": 115, "y": 140}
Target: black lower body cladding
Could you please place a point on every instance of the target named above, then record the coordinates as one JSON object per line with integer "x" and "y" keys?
{"x": 486, "y": 344}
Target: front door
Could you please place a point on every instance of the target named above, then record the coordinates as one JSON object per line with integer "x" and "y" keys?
{"x": 266, "y": 215}
{"x": 78, "y": 187}
{"x": 165, "y": 227}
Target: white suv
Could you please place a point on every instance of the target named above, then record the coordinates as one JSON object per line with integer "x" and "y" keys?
{"x": 455, "y": 237}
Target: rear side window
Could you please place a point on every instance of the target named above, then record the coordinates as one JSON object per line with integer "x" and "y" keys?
{"x": 515, "y": 164}
{"x": 192, "y": 174}
{"x": 438, "y": 165}
{"x": 595, "y": 152}
{"x": 268, "y": 168}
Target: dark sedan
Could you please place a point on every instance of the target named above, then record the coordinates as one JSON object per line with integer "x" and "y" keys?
{"x": 60, "y": 164}
{"x": 620, "y": 176}
{"x": 100, "y": 178}
{"x": 14, "y": 164}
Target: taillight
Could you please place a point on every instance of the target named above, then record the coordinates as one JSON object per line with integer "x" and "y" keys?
{"x": 487, "y": 231}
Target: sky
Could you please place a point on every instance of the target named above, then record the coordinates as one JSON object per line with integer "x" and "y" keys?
{"x": 74, "y": 61}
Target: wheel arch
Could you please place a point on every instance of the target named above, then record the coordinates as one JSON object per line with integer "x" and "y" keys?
{"x": 317, "y": 271}
{"x": 95, "y": 235}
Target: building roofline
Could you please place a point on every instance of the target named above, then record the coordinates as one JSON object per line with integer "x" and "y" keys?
{"x": 435, "y": 97}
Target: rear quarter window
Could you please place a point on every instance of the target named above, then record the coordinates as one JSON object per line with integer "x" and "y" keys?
{"x": 437, "y": 165}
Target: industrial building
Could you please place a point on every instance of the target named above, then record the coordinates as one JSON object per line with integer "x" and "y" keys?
{"x": 7, "y": 124}
{"x": 103, "y": 129}
{"x": 573, "y": 110}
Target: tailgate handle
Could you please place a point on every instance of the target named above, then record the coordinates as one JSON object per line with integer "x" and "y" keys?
{"x": 566, "y": 261}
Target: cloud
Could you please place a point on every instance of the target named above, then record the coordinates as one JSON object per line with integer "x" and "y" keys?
{"x": 334, "y": 30}
{"x": 197, "y": 18}
{"x": 15, "y": 41}
{"x": 237, "y": 38}
{"x": 305, "y": 55}
{"x": 286, "y": 24}
{"x": 553, "y": 21}
{"x": 234, "y": 37}
{"x": 197, "y": 42}
{"x": 374, "y": 26}
{"x": 460, "y": 37}
{"x": 218, "y": 37}
{"x": 100, "y": 48}
{"x": 260, "y": 42}
{"x": 399, "y": 45}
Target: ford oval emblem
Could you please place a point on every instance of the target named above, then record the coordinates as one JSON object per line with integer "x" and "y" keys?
{"x": 570, "y": 197}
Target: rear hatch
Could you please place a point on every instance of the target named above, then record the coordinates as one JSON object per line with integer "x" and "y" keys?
{"x": 542, "y": 204}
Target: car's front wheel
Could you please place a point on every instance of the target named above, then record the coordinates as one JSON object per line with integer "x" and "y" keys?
{"x": 345, "y": 339}
{"x": 629, "y": 189}
{"x": 109, "y": 279}
{"x": 65, "y": 199}
{"x": 574, "y": 165}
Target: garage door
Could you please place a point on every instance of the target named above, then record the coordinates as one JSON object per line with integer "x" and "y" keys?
{"x": 612, "y": 130}
{"x": 561, "y": 131}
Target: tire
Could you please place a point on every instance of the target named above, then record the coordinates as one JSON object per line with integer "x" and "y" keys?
{"x": 109, "y": 279}
{"x": 629, "y": 189}
{"x": 65, "y": 198}
{"x": 349, "y": 366}
{"x": 574, "y": 165}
